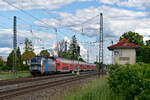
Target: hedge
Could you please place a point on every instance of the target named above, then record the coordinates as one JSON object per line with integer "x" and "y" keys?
{"x": 131, "y": 81}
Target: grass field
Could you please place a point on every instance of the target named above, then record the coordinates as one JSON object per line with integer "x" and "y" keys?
{"x": 9, "y": 75}
{"x": 98, "y": 89}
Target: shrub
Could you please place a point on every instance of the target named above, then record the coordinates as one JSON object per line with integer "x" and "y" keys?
{"x": 132, "y": 81}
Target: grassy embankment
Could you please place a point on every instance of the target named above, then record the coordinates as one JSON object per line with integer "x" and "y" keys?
{"x": 9, "y": 75}
{"x": 98, "y": 89}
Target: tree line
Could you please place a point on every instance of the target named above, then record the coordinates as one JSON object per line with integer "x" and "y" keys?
{"x": 23, "y": 60}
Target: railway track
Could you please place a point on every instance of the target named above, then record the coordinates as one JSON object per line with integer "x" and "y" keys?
{"x": 30, "y": 79}
{"x": 10, "y": 93}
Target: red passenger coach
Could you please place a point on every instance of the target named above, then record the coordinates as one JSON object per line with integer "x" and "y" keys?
{"x": 64, "y": 65}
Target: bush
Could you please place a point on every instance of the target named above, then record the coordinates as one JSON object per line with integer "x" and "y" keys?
{"x": 1, "y": 64}
{"x": 132, "y": 81}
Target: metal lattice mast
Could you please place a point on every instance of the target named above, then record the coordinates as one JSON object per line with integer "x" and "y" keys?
{"x": 101, "y": 40}
{"x": 15, "y": 47}
{"x": 87, "y": 56}
{"x": 112, "y": 53}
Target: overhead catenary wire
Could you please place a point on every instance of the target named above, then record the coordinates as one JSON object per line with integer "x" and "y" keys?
{"x": 44, "y": 8}
{"x": 25, "y": 12}
{"x": 44, "y": 22}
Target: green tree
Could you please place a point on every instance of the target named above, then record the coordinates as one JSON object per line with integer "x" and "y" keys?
{"x": 144, "y": 54}
{"x": 28, "y": 45}
{"x": 10, "y": 61}
{"x": 44, "y": 53}
{"x": 1, "y": 64}
{"x": 73, "y": 45}
{"x": 29, "y": 52}
{"x": 148, "y": 43}
{"x": 27, "y": 55}
{"x": 133, "y": 37}
{"x": 19, "y": 60}
{"x": 10, "y": 58}
{"x": 73, "y": 48}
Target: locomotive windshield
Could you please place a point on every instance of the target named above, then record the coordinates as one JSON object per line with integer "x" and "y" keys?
{"x": 36, "y": 60}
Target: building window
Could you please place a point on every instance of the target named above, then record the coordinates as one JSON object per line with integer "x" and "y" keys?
{"x": 124, "y": 58}
{"x": 116, "y": 53}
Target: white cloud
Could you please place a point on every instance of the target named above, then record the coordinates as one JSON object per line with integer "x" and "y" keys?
{"x": 39, "y": 39}
{"x": 5, "y": 51}
{"x": 117, "y": 20}
{"x": 144, "y": 32}
{"x": 109, "y": 1}
{"x": 140, "y": 4}
{"x": 35, "y": 4}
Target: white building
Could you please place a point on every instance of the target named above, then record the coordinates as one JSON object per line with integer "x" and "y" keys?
{"x": 124, "y": 52}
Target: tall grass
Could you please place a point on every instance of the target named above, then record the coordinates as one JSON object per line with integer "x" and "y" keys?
{"x": 98, "y": 89}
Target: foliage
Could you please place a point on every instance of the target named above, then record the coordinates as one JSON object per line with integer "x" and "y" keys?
{"x": 148, "y": 43}
{"x": 28, "y": 54}
{"x": 72, "y": 52}
{"x": 10, "y": 61}
{"x": 143, "y": 54}
{"x": 19, "y": 61}
{"x": 73, "y": 48}
{"x": 9, "y": 64}
{"x": 133, "y": 37}
{"x": 73, "y": 45}
{"x": 28, "y": 45}
{"x": 44, "y": 53}
{"x": 98, "y": 89}
{"x": 132, "y": 81}
{"x": 1, "y": 64}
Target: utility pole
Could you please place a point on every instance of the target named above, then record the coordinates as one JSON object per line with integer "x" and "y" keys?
{"x": 15, "y": 47}
{"x": 56, "y": 41}
{"x": 65, "y": 46}
{"x": 87, "y": 56}
{"x": 96, "y": 58}
{"x": 101, "y": 42}
{"x": 112, "y": 52}
{"x": 78, "y": 52}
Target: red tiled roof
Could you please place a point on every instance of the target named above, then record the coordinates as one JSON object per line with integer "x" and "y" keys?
{"x": 123, "y": 43}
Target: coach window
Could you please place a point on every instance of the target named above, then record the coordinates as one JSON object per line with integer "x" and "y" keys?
{"x": 58, "y": 64}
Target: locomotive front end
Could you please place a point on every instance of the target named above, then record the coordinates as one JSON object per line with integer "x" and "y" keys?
{"x": 35, "y": 66}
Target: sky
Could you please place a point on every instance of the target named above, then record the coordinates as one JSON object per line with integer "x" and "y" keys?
{"x": 47, "y": 21}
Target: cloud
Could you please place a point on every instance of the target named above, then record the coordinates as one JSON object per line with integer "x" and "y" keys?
{"x": 35, "y": 4}
{"x": 5, "y": 51}
{"x": 116, "y": 21}
{"x": 109, "y": 1}
{"x": 39, "y": 39}
{"x": 144, "y": 32}
{"x": 140, "y": 4}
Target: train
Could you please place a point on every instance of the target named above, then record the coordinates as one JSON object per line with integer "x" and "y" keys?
{"x": 43, "y": 66}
